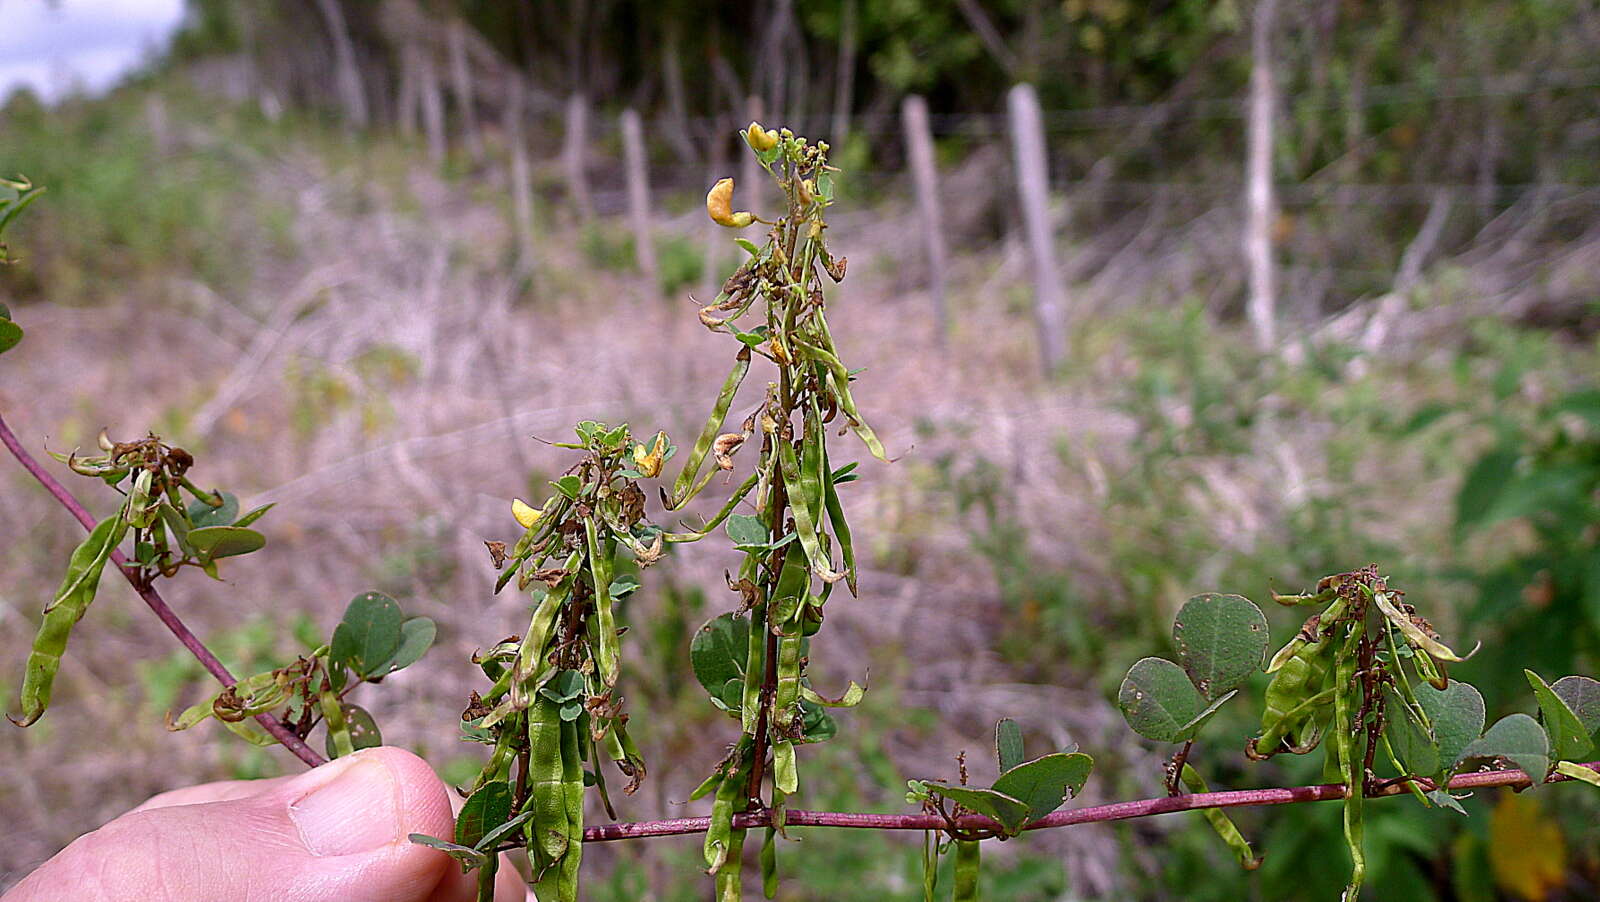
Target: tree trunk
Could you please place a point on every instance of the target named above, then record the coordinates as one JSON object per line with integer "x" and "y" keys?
{"x": 677, "y": 130}
{"x": 347, "y": 77}
{"x": 406, "y": 100}
{"x": 844, "y": 85}
{"x": 461, "y": 86}
{"x": 432, "y": 105}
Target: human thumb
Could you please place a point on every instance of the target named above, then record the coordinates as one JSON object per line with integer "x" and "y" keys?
{"x": 337, "y": 832}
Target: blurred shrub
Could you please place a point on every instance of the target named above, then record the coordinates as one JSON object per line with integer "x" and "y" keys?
{"x": 681, "y": 263}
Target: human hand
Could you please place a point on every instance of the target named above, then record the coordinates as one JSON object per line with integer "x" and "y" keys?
{"x": 333, "y": 834}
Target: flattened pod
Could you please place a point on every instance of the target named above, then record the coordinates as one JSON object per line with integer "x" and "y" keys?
{"x": 64, "y": 611}
{"x": 967, "y": 865}
{"x": 547, "y": 832}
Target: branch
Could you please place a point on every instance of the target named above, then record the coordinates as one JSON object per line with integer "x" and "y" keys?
{"x": 153, "y": 598}
{"x": 1116, "y": 811}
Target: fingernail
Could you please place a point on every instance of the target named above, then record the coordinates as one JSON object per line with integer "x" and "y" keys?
{"x": 354, "y": 809}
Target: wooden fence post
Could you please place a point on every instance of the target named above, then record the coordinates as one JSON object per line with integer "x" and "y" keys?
{"x": 521, "y": 178}
{"x": 574, "y": 146}
{"x": 1033, "y": 190}
{"x": 919, "y": 151}
{"x": 1260, "y": 204}
{"x": 644, "y": 249}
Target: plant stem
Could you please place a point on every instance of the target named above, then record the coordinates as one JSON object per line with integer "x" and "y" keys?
{"x": 1177, "y": 763}
{"x": 152, "y": 598}
{"x": 1116, "y": 811}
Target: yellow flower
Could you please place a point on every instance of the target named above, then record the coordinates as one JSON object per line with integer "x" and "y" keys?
{"x": 719, "y": 204}
{"x": 648, "y": 463}
{"x": 526, "y": 515}
{"x": 779, "y": 352}
{"x": 759, "y": 138}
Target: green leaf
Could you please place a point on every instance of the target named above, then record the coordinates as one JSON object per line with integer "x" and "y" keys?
{"x": 1456, "y": 713}
{"x": 1412, "y": 741}
{"x": 1221, "y": 640}
{"x": 215, "y": 542}
{"x": 469, "y": 857}
{"x": 1158, "y": 700}
{"x": 364, "y": 733}
{"x": 416, "y": 637}
{"x": 10, "y": 334}
{"x": 1582, "y": 696}
{"x": 254, "y": 515}
{"x": 1569, "y": 741}
{"x": 483, "y": 811}
{"x": 1010, "y": 812}
{"x": 494, "y": 836}
{"x": 369, "y": 635}
{"x": 624, "y": 585}
{"x": 816, "y": 724}
{"x": 1199, "y": 720}
{"x": 1519, "y": 739}
{"x": 731, "y": 698}
{"x": 569, "y": 486}
{"x": 1007, "y": 744}
{"x": 749, "y": 246}
{"x": 1585, "y": 403}
{"x": 202, "y": 514}
{"x": 718, "y": 651}
{"x": 1044, "y": 783}
{"x": 563, "y": 687}
{"x": 1481, "y": 488}
{"x": 746, "y": 531}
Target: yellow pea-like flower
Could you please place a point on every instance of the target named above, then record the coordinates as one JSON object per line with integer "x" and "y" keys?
{"x": 525, "y": 514}
{"x": 759, "y": 138}
{"x": 648, "y": 463}
{"x": 719, "y": 204}
{"x": 779, "y": 352}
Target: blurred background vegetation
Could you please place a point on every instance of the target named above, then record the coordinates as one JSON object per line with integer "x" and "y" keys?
{"x": 297, "y": 242}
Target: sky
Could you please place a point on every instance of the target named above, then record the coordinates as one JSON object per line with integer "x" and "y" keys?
{"x": 58, "y": 45}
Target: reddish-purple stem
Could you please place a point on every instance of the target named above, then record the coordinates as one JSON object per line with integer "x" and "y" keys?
{"x": 1116, "y": 811}
{"x": 153, "y": 598}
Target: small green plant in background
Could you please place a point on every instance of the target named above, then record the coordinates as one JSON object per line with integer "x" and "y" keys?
{"x": 1365, "y": 678}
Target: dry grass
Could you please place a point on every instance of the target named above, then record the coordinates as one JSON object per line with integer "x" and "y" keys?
{"x": 383, "y": 384}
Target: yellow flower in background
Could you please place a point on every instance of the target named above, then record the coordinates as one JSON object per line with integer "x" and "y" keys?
{"x": 1526, "y": 849}
{"x": 525, "y": 514}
